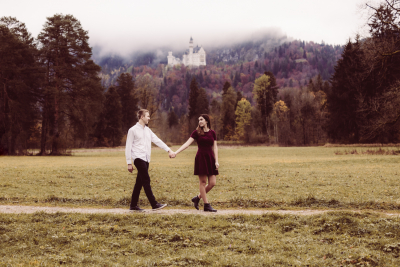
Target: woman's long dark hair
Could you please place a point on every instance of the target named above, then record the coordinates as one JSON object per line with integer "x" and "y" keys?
{"x": 199, "y": 129}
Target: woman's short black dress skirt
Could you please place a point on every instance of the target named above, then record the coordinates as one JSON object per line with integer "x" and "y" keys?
{"x": 204, "y": 163}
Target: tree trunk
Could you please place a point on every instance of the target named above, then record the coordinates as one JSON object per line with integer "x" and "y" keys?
{"x": 7, "y": 122}
{"x": 56, "y": 133}
{"x": 13, "y": 137}
{"x": 54, "y": 147}
{"x": 45, "y": 120}
{"x": 189, "y": 126}
{"x": 43, "y": 138}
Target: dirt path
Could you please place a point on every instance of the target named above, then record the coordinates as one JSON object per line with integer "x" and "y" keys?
{"x": 167, "y": 211}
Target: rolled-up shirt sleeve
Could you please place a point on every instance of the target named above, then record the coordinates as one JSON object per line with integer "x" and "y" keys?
{"x": 128, "y": 147}
{"x": 158, "y": 142}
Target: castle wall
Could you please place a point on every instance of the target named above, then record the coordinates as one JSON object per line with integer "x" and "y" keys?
{"x": 189, "y": 59}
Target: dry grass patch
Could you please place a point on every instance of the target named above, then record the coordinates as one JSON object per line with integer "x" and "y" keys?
{"x": 378, "y": 151}
{"x": 362, "y": 145}
{"x": 334, "y": 239}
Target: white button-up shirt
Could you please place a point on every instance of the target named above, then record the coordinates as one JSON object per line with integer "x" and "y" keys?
{"x": 138, "y": 143}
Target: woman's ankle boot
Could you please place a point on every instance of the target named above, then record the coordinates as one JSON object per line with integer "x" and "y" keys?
{"x": 207, "y": 207}
{"x": 196, "y": 201}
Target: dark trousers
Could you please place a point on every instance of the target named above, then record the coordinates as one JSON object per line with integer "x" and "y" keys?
{"x": 142, "y": 180}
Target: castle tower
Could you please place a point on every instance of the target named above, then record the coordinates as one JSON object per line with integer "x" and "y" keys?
{"x": 191, "y": 45}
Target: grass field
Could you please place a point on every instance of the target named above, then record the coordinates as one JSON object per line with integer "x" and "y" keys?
{"x": 250, "y": 177}
{"x": 334, "y": 239}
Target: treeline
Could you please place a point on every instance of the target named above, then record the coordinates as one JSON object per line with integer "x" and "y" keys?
{"x": 53, "y": 96}
{"x": 50, "y": 89}
{"x": 288, "y": 116}
{"x": 364, "y": 100}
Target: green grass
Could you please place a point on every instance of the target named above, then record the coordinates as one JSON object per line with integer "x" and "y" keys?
{"x": 251, "y": 177}
{"x": 333, "y": 239}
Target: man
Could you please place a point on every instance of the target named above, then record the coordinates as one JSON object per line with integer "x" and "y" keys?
{"x": 138, "y": 150}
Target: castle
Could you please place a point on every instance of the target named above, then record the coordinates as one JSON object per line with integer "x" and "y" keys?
{"x": 193, "y": 57}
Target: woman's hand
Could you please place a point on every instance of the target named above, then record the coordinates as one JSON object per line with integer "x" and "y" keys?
{"x": 172, "y": 154}
{"x": 217, "y": 165}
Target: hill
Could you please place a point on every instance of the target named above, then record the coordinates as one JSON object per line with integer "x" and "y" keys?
{"x": 293, "y": 62}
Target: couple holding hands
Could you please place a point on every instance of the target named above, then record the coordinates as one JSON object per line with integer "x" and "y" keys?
{"x": 138, "y": 151}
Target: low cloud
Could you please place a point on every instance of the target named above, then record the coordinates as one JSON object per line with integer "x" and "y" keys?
{"x": 129, "y": 45}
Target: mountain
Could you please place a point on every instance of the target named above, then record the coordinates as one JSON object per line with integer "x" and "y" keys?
{"x": 293, "y": 62}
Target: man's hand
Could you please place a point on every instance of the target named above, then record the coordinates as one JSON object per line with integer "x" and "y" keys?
{"x": 171, "y": 154}
{"x": 130, "y": 168}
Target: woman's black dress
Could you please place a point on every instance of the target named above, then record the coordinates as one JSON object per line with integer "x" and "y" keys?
{"x": 204, "y": 163}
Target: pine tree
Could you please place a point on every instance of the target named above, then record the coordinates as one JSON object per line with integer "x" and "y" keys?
{"x": 113, "y": 117}
{"x": 343, "y": 124}
{"x": 319, "y": 84}
{"x": 20, "y": 78}
{"x": 379, "y": 112}
{"x": 226, "y": 87}
{"x": 172, "y": 118}
{"x": 201, "y": 77}
{"x": 215, "y": 110}
{"x": 228, "y": 113}
{"x": 129, "y": 103}
{"x": 72, "y": 85}
{"x": 306, "y": 115}
{"x": 188, "y": 79}
{"x": 193, "y": 97}
{"x": 311, "y": 87}
{"x": 202, "y": 102}
{"x": 237, "y": 79}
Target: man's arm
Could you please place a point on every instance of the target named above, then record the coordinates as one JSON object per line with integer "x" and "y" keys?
{"x": 128, "y": 148}
{"x": 158, "y": 142}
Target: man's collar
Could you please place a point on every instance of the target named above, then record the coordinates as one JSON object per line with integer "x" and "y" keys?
{"x": 141, "y": 125}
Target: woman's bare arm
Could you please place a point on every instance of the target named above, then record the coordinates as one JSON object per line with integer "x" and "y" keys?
{"x": 185, "y": 145}
{"x": 215, "y": 148}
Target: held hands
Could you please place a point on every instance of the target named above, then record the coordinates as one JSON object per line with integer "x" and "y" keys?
{"x": 172, "y": 154}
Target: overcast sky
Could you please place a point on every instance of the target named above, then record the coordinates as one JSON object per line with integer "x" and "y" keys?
{"x": 126, "y": 25}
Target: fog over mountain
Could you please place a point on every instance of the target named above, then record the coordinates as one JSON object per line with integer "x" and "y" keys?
{"x": 155, "y": 48}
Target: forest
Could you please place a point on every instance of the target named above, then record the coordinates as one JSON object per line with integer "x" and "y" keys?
{"x": 56, "y": 95}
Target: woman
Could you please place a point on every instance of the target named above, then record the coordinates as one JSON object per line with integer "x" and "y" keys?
{"x": 206, "y": 161}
